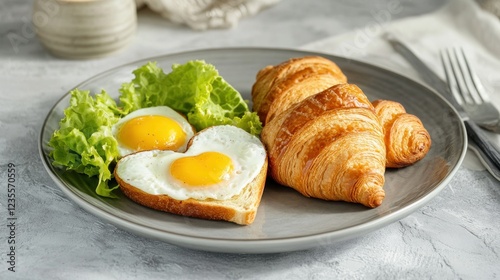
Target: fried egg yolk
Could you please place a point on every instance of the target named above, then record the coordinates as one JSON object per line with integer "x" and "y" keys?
{"x": 205, "y": 169}
{"x": 152, "y": 132}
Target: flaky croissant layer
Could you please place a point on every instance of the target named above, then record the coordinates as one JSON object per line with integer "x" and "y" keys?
{"x": 280, "y": 86}
{"x": 405, "y": 136}
{"x": 329, "y": 146}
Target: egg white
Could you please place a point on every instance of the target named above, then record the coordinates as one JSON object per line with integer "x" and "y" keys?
{"x": 156, "y": 111}
{"x": 149, "y": 170}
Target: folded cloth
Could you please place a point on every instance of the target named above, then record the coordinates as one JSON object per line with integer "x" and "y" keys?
{"x": 458, "y": 23}
{"x": 206, "y": 14}
{"x": 492, "y": 6}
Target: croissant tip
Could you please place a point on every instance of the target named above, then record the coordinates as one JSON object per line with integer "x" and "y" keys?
{"x": 376, "y": 200}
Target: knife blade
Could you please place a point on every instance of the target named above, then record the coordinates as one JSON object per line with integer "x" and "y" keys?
{"x": 487, "y": 153}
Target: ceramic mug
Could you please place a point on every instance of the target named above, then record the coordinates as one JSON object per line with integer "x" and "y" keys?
{"x": 80, "y": 29}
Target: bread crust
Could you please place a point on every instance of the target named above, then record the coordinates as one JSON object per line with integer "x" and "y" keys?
{"x": 205, "y": 209}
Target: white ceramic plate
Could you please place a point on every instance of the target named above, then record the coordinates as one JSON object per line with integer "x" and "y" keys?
{"x": 286, "y": 221}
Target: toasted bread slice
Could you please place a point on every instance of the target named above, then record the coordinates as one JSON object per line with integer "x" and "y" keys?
{"x": 240, "y": 209}
{"x": 143, "y": 177}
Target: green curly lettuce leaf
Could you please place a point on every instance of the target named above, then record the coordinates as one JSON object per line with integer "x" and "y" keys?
{"x": 84, "y": 142}
{"x": 195, "y": 89}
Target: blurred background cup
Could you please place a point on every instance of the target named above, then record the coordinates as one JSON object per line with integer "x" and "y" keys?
{"x": 81, "y": 29}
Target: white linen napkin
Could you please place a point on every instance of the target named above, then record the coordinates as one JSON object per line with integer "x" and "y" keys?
{"x": 206, "y": 14}
{"x": 457, "y": 23}
{"x": 492, "y": 6}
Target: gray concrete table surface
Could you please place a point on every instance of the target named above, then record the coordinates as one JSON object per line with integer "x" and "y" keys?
{"x": 455, "y": 236}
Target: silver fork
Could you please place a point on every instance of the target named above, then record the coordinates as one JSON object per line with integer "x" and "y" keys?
{"x": 468, "y": 90}
{"x": 477, "y": 140}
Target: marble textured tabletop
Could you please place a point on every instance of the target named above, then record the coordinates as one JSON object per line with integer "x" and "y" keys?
{"x": 455, "y": 236}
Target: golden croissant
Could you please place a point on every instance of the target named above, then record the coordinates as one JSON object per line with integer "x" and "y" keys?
{"x": 325, "y": 138}
{"x": 406, "y": 138}
{"x": 329, "y": 145}
{"x": 280, "y": 86}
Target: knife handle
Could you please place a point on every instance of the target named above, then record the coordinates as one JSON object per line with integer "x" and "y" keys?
{"x": 475, "y": 134}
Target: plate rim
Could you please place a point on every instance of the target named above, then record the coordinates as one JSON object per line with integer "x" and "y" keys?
{"x": 266, "y": 245}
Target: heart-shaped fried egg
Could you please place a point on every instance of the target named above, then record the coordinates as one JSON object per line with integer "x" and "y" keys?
{"x": 219, "y": 162}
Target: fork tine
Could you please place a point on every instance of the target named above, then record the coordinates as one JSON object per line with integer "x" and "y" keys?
{"x": 475, "y": 82}
{"x": 464, "y": 85}
{"x": 461, "y": 77}
{"x": 467, "y": 75}
{"x": 450, "y": 76}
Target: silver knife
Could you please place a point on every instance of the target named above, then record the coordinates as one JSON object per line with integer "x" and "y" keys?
{"x": 487, "y": 153}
